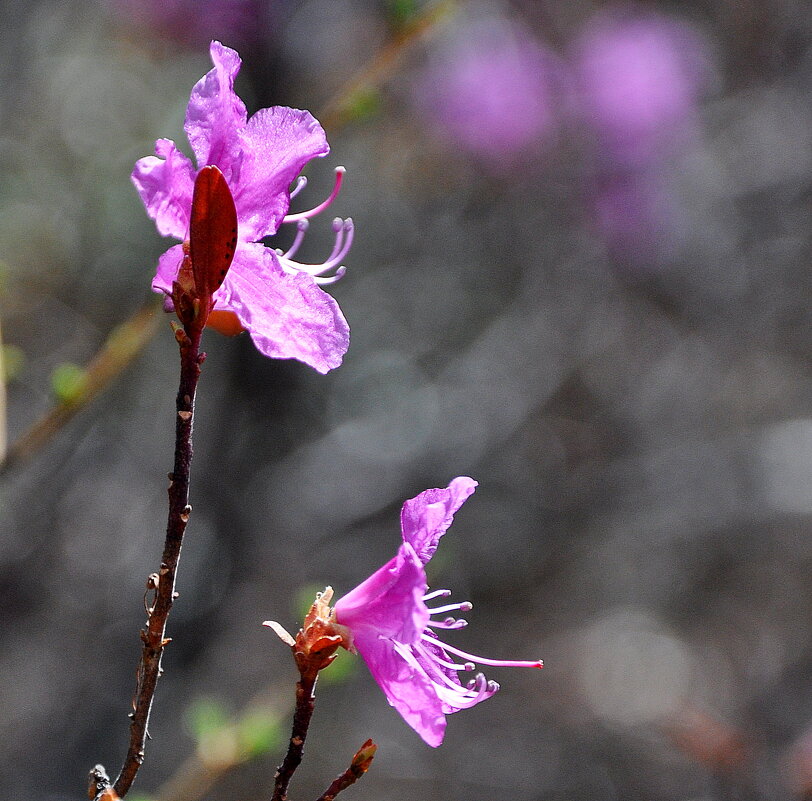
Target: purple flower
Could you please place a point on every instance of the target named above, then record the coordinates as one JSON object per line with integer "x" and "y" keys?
{"x": 277, "y": 300}
{"x": 640, "y": 76}
{"x": 493, "y": 90}
{"x": 394, "y": 630}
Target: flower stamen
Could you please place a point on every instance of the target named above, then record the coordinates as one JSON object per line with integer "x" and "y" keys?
{"x": 301, "y": 230}
{"x": 430, "y": 596}
{"x": 303, "y": 215}
{"x": 344, "y": 231}
{"x": 301, "y": 183}
{"x": 448, "y": 623}
{"x": 468, "y": 666}
{"x": 481, "y": 660}
{"x": 465, "y": 606}
{"x": 450, "y": 691}
{"x": 482, "y": 689}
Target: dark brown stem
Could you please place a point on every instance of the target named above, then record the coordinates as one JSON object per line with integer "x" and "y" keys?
{"x": 305, "y": 704}
{"x": 358, "y": 767}
{"x": 163, "y": 583}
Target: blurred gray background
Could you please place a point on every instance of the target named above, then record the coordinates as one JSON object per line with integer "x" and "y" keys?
{"x": 581, "y": 276}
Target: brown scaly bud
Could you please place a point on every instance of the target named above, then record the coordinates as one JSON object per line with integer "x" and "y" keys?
{"x": 363, "y": 758}
{"x": 315, "y": 646}
{"x": 358, "y": 767}
{"x": 184, "y": 295}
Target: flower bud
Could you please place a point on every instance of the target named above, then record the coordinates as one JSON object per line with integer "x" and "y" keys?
{"x": 315, "y": 646}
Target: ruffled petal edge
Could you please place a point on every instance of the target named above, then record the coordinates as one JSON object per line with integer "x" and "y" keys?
{"x": 215, "y": 114}
{"x": 276, "y": 143}
{"x": 288, "y": 316}
{"x": 165, "y": 183}
{"x": 427, "y": 516}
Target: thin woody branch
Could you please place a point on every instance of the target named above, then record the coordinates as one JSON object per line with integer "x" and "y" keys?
{"x": 314, "y": 648}
{"x": 162, "y": 584}
{"x": 358, "y": 767}
{"x": 305, "y": 704}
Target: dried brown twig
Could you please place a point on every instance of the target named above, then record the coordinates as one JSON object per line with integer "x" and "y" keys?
{"x": 314, "y": 649}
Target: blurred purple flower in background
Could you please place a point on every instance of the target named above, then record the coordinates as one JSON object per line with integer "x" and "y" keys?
{"x": 639, "y": 77}
{"x": 277, "y": 300}
{"x": 493, "y": 90}
{"x": 195, "y": 22}
{"x": 393, "y": 630}
{"x": 637, "y": 212}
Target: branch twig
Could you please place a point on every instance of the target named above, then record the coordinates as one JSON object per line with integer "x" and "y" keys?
{"x": 314, "y": 648}
{"x": 358, "y": 767}
{"x": 163, "y": 582}
{"x": 305, "y": 704}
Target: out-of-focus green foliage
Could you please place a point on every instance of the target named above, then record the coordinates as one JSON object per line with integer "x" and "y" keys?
{"x": 258, "y": 733}
{"x": 363, "y": 105}
{"x": 206, "y": 717}
{"x": 402, "y": 12}
{"x": 223, "y": 739}
{"x": 68, "y": 383}
{"x": 341, "y": 669}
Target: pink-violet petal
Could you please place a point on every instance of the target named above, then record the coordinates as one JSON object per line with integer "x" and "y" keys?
{"x": 215, "y": 115}
{"x": 288, "y": 316}
{"x": 168, "y": 266}
{"x": 277, "y": 142}
{"x": 165, "y": 183}
{"x": 389, "y": 603}
{"x": 425, "y": 518}
{"x": 407, "y": 688}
